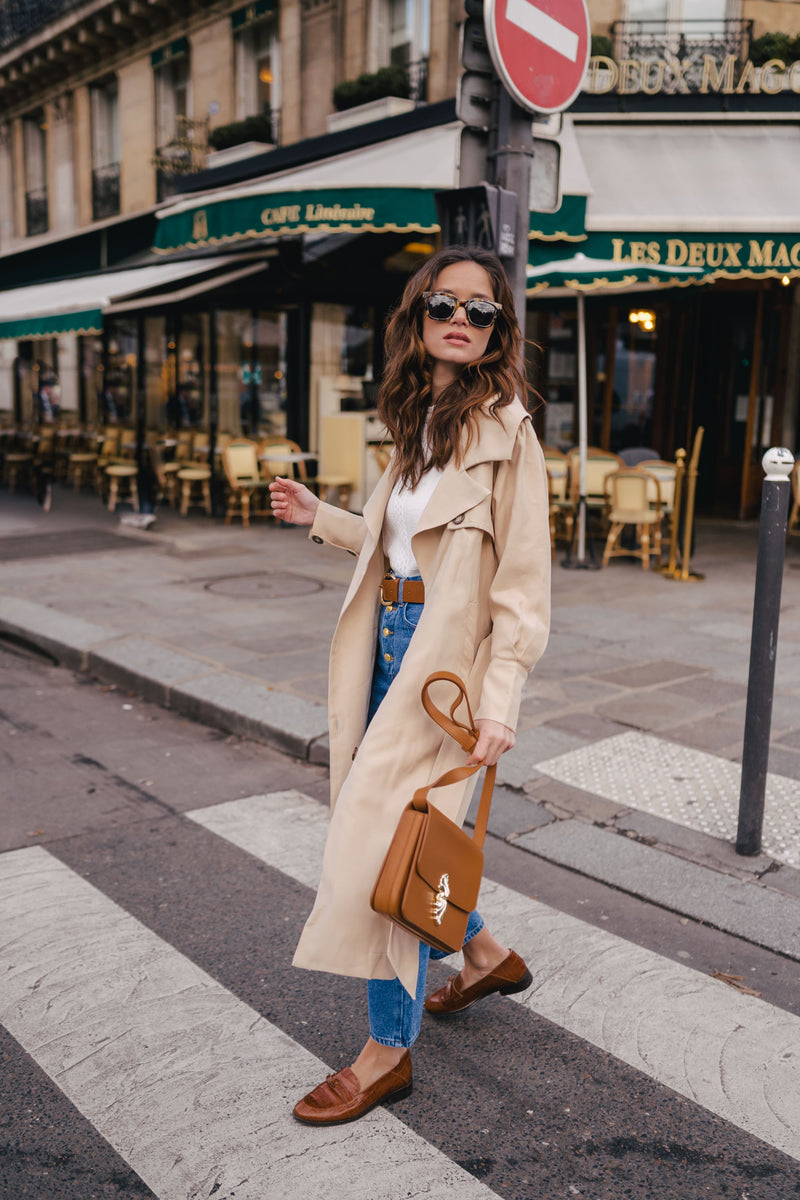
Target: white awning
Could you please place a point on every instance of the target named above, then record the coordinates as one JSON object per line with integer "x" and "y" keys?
{"x": 77, "y": 305}
{"x": 692, "y": 178}
{"x": 387, "y": 186}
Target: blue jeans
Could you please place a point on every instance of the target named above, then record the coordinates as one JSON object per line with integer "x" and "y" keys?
{"x": 394, "y": 1015}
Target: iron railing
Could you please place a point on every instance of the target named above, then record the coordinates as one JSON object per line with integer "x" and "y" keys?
{"x": 105, "y": 191}
{"x": 418, "y": 80}
{"x": 184, "y": 155}
{"x": 37, "y": 217}
{"x": 681, "y": 39}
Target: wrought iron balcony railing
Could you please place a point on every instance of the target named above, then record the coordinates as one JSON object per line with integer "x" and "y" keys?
{"x": 105, "y": 191}
{"x": 681, "y": 39}
{"x": 37, "y": 217}
{"x": 418, "y": 81}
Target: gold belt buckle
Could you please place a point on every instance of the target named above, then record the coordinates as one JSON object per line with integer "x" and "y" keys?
{"x": 386, "y": 603}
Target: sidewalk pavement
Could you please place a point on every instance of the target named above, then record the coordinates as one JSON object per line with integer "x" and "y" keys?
{"x": 626, "y": 763}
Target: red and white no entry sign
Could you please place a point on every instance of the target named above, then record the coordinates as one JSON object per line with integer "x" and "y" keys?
{"x": 540, "y": 49}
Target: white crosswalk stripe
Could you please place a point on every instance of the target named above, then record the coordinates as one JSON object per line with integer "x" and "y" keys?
{"x": 736, "y": 1055}
{"x": 190, "y": 1085}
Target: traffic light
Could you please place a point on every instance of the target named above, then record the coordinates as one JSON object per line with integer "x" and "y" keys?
{"x": 482, "y": 215}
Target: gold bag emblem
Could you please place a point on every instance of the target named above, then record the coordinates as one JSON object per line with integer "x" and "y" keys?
{"x": 439, "y": 906}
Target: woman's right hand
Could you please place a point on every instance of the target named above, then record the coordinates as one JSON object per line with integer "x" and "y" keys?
{"x": 292, "y": 502}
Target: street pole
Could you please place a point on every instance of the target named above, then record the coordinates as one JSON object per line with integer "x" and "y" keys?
{"x": 583, "y": 435}
{"x": 509, "y": 161}
{"x": 778, "y": 464}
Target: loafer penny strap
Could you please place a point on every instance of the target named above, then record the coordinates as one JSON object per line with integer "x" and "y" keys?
{"x": 340, "y": 1088}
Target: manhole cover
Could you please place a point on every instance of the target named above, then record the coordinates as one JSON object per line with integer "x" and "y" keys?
{"x": 75, "y": 541}
{"x": 274, "y": 585}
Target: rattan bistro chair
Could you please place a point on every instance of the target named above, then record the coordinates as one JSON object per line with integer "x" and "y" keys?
{"x": 245, "y": 482}
{"x": 270, "y": 468}
{"x": 561, "y": 505}
{"x": 629, "y": 491}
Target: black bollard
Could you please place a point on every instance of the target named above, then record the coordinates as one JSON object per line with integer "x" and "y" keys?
{"x": 778, "y": 464}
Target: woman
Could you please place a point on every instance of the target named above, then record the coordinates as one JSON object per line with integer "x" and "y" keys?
{"x": 453, "y": 548}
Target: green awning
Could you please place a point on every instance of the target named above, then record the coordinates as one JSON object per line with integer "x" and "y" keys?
{"x": 719, "y": 255}
{"x": 88, "y": 320}
{"x": 567, "y": 224}
{"x": 222, "y": 219}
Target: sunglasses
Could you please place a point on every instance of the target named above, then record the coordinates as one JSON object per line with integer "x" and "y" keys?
{"x": 443, "y": 306}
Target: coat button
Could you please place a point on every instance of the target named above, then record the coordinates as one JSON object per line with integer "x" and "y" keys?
{"x": 316, "y": 538}
{"x": 457, "y": 520}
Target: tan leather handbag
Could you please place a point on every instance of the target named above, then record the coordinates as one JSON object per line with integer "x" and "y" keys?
{"x": 430, "y": 878}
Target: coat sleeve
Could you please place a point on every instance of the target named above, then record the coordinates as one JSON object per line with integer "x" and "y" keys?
{"x": 519, "y": 596}
{"x": 338, "y": 527}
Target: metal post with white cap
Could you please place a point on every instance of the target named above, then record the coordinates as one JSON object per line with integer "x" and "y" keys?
{"x": 777, "y": 463}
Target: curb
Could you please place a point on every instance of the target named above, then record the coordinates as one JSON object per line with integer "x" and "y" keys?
{"x": 163, "y": 676}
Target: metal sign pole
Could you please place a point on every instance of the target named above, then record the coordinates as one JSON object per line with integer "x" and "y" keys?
{"x": 778, "y": 464}
{"x": 510, "y": 167}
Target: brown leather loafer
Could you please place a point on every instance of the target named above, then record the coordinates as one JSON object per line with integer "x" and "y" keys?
{"x": 340, "y": 1099}
{"x": 511, "y": 976}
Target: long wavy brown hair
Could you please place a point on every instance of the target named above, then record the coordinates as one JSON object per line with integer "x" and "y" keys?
{"x": 405, "y": 392}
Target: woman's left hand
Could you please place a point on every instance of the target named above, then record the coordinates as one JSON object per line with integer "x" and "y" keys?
{"x": 493, "y": 740}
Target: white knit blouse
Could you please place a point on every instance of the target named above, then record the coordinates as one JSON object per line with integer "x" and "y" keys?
{"x": 403, "y": 512}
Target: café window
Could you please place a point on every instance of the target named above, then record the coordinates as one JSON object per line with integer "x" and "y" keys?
{"x": 189, "y": 406}
{"x": 251, "y": 372}
{"x": 104, "y": 105}
{"x": 257, "y": 65}
{"x": 626, "y": 340}
{"x": 90, "y": 366}
{"x": 34, "y": 130}
{"x": 119, "y": 380}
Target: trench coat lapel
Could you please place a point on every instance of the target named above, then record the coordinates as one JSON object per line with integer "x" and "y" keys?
{"x": 457, "y": 490}
{"x": 455, "y": 493}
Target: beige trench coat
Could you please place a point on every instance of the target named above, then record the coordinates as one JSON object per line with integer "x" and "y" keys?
{"x": 483, "y": 549}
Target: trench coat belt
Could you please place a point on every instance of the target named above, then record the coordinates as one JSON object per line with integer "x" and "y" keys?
{"x": 401, "y": 591}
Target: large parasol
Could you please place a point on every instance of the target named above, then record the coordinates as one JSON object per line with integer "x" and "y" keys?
{"x": 582, "y": 274}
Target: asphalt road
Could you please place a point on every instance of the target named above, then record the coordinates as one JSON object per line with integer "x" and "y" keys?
{"x": 103, "y": 782}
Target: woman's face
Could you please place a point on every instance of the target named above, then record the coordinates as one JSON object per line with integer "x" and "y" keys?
{"x": 454, "y": 344}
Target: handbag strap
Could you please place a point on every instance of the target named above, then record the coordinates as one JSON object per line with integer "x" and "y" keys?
{"x": 466, "y": 736}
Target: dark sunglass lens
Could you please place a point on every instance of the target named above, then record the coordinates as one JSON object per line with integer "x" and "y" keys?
{"x": 440, "y": 307}
{"x": 481, "y": 314}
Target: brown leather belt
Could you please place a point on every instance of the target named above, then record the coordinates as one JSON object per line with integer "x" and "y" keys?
{"x": 401, "y": 591}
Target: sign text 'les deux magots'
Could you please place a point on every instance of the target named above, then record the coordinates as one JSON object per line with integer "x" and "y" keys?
{"x": 719, "y": 254}
{"x": 672, "y": 76}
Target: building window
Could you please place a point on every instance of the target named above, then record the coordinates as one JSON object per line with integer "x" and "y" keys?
{"x": 400, "y": 36}
{"x": 35, "y": 142}
{"x": 173, "y": 98}
{"x": 181, "y": 142}
{"x": 689, "y": 15}
{"x": 105, "y": 149}
{"x": 257, "y": 59}
{"x": 409, "y": 31}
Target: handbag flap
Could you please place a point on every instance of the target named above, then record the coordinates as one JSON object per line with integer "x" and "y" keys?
{"x": 447, "y": 850}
